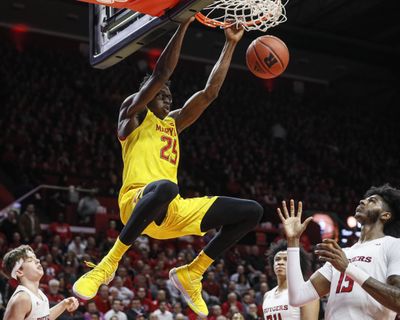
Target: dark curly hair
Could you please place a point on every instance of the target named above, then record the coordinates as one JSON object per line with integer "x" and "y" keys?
{"x": 391, "y": 197}
{"x": 281, "y": 245}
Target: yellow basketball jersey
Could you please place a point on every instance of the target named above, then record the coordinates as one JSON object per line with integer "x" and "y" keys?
{"x": 150, "y": 153}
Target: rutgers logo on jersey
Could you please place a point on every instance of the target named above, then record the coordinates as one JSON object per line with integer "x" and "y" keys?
{"x": 361, "y": 258}
{"x": 44, "y": 318}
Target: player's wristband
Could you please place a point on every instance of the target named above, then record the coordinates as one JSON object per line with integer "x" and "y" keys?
{"x": 358, "y": 275}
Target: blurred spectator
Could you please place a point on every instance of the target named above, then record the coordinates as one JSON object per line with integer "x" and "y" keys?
{"x": 212, "y": 287}
{"x": 215, "y": 312}
{"x": 237, "y": 316}
{"x": 16, "y": 240}
{"x": 243, "y": 285}
{"x": 255, "y": 261}
{"x": 122, "y": 272}
{"x": 112, "y": 232}
{"x": 161, "y": 296}
{"x": 232, "y": 301}
{"x": 180, "y": 316}
{"x": 61, "y": 228}
{"x": 136, "y": 309}
{"x": 91, "y": 309}
{"x": 252, "y": 313}
{"x": 29, "y": 224}
{"x": 162, "y": 312}
{"x": 123, "y": 293}
{"x": 144, "y": 299}
{"x": 88, "y": 206}
{"x": 116, "y": 311}
{"x": 102, "y": 299}
{"x": 53, "y": 294}
{"x": 176, "y": 309}
{"x": 9, "y": 225}
{"x": 236, "y": 276}
{"x": 41, "y": 249}
{"x": 264, "y": 288}
{"x": 77, "y": 246}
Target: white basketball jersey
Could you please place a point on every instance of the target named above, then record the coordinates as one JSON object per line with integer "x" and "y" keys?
{"x": 380, "y": 258}
{"x": 40, "y": 305}
{"x": 276, "y": 306}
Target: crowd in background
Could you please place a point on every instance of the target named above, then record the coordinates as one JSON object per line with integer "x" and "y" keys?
{"x": 141, "y": 289}
{"x": 264, "y": 141}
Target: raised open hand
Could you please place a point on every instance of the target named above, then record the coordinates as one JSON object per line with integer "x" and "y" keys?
{"x": 292, "y": 221}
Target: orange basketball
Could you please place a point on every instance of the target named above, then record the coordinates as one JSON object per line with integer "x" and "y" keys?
{"x": 267, "y": 57}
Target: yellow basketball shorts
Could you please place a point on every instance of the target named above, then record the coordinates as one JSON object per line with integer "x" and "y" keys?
{"x": 183, "y": 216}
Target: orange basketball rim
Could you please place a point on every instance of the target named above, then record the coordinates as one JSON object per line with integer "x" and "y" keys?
{"x": 154, "y": 8}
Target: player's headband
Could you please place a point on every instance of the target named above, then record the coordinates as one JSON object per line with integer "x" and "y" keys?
{"x": 19, "y": 263}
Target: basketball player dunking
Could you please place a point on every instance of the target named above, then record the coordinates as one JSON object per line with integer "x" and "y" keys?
{"x": 149, "y": 199}
{"x": 28, "y": 301}
{"x": 363, "y": 281}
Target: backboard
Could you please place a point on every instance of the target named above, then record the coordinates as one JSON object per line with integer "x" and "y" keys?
{"x": 115, "y": 33}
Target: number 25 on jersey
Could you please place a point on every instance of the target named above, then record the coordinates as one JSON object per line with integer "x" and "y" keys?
{"x": 168, "y": 152}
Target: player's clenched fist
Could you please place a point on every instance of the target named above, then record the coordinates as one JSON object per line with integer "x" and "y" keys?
{"x": 71, "y": 304}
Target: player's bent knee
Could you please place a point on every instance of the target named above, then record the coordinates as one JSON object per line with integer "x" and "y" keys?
{"x": 167, "y": 190}
{"x": 256, "y": 212}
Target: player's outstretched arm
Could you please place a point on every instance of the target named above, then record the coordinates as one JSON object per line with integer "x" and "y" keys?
{"x": 300, "y": 292}
{"x": 196, "y": 104}
{"x": 70, "y": 304}
{"x": 387, "y": 294}
{"x": 19, "y": 307}
{"x": 163, "y": 70}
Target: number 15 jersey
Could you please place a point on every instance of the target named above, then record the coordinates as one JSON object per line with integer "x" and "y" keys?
{"x": 380, "y": 258}
{"x": 150, "y": 153}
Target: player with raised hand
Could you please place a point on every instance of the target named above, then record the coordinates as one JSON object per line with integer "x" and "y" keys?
{"x": 363, "y": 281}
{"x": 28, "y": 301}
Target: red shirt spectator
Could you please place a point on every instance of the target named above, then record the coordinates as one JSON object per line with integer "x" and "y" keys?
{"x": 102, "y": 299}
{"x": 211, "y": 286}
{"x": 61, "y": 228}
{"x": 232, "y": 301}
{"x": 112, "y": 232}
{"x": 144, "y": 299}
{"x": 53, "y": 293}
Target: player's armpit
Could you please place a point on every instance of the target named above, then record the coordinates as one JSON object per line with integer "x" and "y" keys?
{"x": 18, "y": 307}
{"x": 320, "y": 283}
{"x": 310, "y": 311}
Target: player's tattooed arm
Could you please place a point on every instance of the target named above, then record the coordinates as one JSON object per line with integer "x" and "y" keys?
{"x": 387, "y": 294}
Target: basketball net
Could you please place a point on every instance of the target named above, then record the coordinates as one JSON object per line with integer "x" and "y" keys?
{"x": 251, "y": 14}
